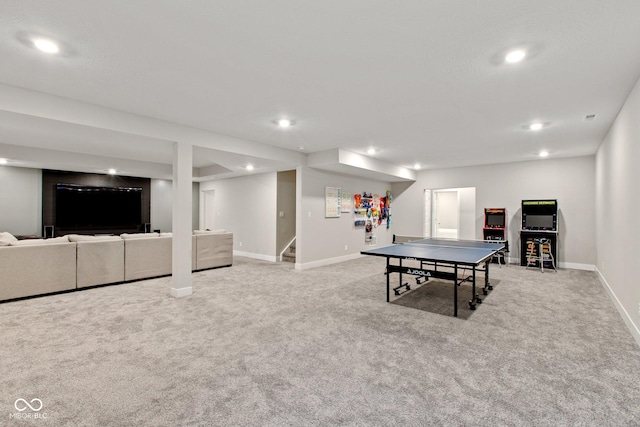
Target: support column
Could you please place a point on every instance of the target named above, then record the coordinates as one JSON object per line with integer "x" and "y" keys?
{"x": 181, "y": 219}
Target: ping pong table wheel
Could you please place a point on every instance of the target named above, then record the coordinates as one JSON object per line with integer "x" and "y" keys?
{"x": 472, "y": 306}
{"x": 408, "y": 287}
{"x": 396, "y": 292}
{"x": 485, "y": 292}
{"x": 490, "y": 287}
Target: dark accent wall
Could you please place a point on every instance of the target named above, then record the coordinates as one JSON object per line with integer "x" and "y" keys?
{"x": 50, "y": 178}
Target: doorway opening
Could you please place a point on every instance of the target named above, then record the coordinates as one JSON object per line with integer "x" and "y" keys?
{"x": 208, "y": 210}
{"x": 450, "y": 213}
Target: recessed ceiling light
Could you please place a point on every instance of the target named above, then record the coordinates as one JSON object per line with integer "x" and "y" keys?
{"x": 249, "y": 167}
{"x": 4, "y": 161}
{"x": 416, "y": 166}
{"x": 285, "y": 123}
{"x": 371, "y": 151}
{"x": 544, "y": 153}
{"x": 302, "y": 148}
{"x": 46, "y": 45}
{"x": 515, "y": 56}
{"x": 111, "y": 171}
{"x": 536, "y": 126}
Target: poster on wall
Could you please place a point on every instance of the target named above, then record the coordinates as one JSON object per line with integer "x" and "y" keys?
{"x": 346, "y": 202}
{"x": 333, "y": 200}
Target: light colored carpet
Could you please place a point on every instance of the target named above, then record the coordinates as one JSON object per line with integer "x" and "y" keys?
{"x": 262, "y": 344}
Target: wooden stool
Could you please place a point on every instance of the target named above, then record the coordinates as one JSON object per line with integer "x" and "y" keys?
{"x": 544, "y": 253}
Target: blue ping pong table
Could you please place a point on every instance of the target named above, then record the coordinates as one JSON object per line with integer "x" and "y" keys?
{"x": 448, "y": 259}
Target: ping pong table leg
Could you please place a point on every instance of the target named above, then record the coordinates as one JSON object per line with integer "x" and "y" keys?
{"x": 475, "y": 299}
{"x": 400, "y": 277}
{"x": 455, "y": 290}
{"x": 487, "y": 283}
{"x": 388, "y": 274}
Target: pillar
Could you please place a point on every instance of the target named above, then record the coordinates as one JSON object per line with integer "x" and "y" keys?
{"x": 181, "y": 219}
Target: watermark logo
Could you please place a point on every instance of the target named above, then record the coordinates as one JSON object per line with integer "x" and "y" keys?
{"x": 22, "y": 405}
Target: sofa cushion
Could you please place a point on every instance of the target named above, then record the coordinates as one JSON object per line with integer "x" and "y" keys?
{"x": 84, "y": 238}
{"x": 29, "y": 242}
{"x": 139, "y": 235}
{"x": 6, "y": 238}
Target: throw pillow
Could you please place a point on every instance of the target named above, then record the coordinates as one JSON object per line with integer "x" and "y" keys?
{"x": 6, "y": 238}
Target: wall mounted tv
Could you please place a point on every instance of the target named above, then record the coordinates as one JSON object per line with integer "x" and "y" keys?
{"x": 88, "y": 206}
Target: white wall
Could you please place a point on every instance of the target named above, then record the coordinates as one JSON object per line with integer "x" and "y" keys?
{"x": 21, "y": 200}
{"x": 467, "y": 213}
{"x": 162, "y": 205}
{"x": 323, "y": 240}
{"x": 569, "y": 180}
{"x": 247, "y": 207}
{"x": 617, "y": 211}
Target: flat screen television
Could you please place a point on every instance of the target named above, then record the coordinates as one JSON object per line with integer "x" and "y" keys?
{"x": 495, "y": 220}
{"x": 539, "y": 222}
{"x": 87, "y": 206}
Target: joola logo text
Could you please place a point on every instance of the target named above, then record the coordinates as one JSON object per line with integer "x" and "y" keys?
{"x": 419, "y": 273}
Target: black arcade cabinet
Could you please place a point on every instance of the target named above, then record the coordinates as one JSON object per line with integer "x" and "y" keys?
{"x": 539, "y": 222}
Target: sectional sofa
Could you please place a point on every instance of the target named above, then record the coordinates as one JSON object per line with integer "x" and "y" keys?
{"x": 42, "y": 266}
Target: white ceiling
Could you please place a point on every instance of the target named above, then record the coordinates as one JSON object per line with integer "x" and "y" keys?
{"x": 419, "y": 80}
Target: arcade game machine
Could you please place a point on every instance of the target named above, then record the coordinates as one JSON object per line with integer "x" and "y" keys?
{"x": 495, "y": 229}
{"x": 539, "y": 234}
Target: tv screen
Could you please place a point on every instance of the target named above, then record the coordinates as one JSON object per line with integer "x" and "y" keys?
{"x": 495, "y": 220}
{"x": 85, "y": 206}
{"x": 539, "y": 221}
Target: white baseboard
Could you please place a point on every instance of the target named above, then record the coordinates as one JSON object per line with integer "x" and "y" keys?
{"x": 577, "y": 266}
{"x": 569, "y": 265}
{"x": 181, "y": 292}
{"x": 633, "y": 328}
{"x": 256, "y": 256}
{"x": 328, "y": 261}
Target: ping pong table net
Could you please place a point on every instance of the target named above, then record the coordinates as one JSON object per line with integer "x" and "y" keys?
{"x": 406, "y": 239}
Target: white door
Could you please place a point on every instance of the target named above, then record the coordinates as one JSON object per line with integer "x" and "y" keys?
{"x": 209, "y": 210}
{"x": 446, "y": 208}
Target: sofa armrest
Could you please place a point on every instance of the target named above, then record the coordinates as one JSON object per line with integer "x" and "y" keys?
{"x": 214, "y": 250}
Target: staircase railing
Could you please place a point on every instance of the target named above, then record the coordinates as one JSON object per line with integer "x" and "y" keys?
{"x": 286, "y": 248}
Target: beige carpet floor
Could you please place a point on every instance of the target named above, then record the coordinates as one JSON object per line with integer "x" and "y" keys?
{"x": 262, "y": 344}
